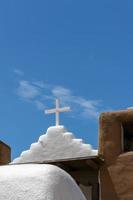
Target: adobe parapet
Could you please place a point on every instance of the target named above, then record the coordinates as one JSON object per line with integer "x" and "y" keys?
{"x": 116, "y": 146}
{"x": 5, "y": 153}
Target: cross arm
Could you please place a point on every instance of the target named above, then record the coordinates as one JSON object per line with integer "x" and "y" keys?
{"x": 50, "y": 111}
{"x": 65, "y": 109}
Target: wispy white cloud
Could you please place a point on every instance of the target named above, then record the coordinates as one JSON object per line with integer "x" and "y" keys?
{"x": 39, "y": 93}
{"x": 60, "y": 91}
{"x": 18, "y": 72}
{"x": 40, "y": 105}
{"x": 31, "y": 92}
{"x": 41, "y": 84}
{"x": 87, "y": 108}
{"x": 27, "y": 91}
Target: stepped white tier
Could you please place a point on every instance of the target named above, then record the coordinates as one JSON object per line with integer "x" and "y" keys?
{"x": 37, "y": 182}
{"x": 56, "y": 144}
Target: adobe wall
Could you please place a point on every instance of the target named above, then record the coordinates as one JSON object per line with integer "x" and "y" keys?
{"x": 116, "y": 174}
{"x": 5, "y": 153}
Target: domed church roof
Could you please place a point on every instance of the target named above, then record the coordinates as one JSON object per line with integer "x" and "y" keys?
{"x": 37, "y": 182}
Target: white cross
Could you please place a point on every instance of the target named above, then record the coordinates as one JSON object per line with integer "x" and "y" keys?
{"x": 57, "y": 111}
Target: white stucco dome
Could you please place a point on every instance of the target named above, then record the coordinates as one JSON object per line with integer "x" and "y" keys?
{"x": 37, "y": 182}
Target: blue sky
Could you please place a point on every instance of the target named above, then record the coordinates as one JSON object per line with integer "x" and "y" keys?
{"x": 79, "y": 51}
